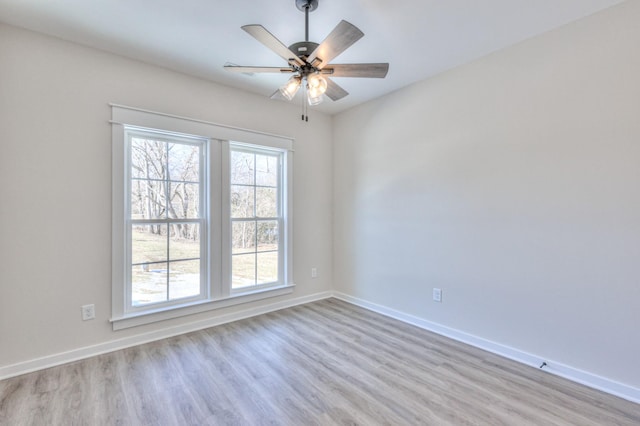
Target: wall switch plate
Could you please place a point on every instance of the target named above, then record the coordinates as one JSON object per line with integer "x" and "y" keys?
{"x": 88, "y": 312}
{"x": 437, "y": 295}
{"x": 314, "y": 272}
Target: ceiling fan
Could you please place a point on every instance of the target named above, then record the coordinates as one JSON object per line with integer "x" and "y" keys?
{"x": 309, "y": 62}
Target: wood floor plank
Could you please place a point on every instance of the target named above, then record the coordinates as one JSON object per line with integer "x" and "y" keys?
{"x": 324, "y": 363}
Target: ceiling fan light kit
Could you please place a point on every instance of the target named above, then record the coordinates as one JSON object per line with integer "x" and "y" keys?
{"x": 310, "y": 62}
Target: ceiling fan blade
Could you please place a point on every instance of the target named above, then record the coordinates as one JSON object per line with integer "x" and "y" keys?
{"x": 277, "y": 95}
{"x": 265, "y": 37}
{"x": 357, "y": 70}
{"x": 334, "y": 91}
{"x": 342, "y": 36}
{"x": 238, "y": 68}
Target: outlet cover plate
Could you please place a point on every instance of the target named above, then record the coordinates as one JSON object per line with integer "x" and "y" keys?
{"x": 88, "y": 312}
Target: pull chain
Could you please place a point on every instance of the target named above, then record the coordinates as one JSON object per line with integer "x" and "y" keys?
{"x": 305, "y": 117}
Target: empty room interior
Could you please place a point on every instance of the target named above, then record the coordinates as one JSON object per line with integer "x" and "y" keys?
{"x": 320, "y": 212}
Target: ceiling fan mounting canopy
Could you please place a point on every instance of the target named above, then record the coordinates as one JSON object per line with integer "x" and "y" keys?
{"x": 302, "y": 5}
{"x": 311, "y": 62}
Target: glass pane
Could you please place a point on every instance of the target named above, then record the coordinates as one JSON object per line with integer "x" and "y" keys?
{"x": 185, "y": 200}
{"x": 185, "y": 241}
{"x": 148, "y": 283}
{"x": 148, "y": 158}
{"x": 243, "y": 270}
{"x": 266, "y": 170}
{"x": 267, "y": 235}
{"x": 243, "y": 237}
{"x": 148, "y": 244}
{"x": 242, "y": 168}
{"x": 267, "y": 268}
{"x": 184, "y": 162}
{"x": 139, "y": 208}
{"x": 242, "y": 201}
{"x": 266, "y": 202}
{"x": 184, "y": 279}
{"x": 148, "y": 199}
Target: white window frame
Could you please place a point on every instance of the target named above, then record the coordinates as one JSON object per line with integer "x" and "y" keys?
{"x": 203, "y": 143}
{"x": 230, "y": 146}
{"x": 217, "y": 292}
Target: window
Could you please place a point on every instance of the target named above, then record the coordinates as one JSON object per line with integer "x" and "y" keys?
{"x": 201, "y": 216}
{"x": 167, "y": 256}
{"x": 256, "y": 217}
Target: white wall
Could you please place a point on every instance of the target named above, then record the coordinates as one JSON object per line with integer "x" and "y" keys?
{"x": 55, "y": 190}
{"x": 512, "y": 183}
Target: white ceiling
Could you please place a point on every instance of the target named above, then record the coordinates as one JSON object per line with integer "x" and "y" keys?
{"x": 419, "y": 38}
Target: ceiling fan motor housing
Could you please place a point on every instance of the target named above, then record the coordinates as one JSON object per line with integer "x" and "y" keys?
{"x": 303, "y": 48}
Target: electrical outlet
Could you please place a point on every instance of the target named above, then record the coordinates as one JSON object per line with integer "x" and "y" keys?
{"x": 437, "y": 295}
{"x": 88, "y": 312}
{"x": 314, "y": 272}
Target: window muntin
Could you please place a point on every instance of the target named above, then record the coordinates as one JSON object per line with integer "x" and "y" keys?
{"x": 256, "y": 217}
{"x": 166, "y": 222}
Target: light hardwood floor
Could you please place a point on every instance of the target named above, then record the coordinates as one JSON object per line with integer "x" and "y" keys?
{"x": 323, "y": 363}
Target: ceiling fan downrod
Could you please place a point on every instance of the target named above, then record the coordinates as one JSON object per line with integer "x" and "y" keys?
{"x": 306, "y": 6}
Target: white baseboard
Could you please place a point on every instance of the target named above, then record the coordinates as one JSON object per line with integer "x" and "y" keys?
{"x": 588, "y": 379}
{"x": 621, "y": 390}
{"x": 114, "y": 345}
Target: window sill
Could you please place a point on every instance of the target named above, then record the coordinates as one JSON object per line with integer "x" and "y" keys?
{"x": 133, "y": 320}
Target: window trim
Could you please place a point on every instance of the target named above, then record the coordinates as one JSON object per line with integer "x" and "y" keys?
{"x": 219, "y": 136}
